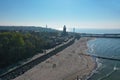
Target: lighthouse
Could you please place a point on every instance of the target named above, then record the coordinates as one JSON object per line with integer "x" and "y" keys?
{"x": 64, "y": 33}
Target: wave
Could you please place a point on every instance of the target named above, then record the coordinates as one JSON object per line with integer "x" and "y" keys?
{"x": 98, "y": 65}
{"x": 110, "y": 73}
{"x": 106, "y": 48}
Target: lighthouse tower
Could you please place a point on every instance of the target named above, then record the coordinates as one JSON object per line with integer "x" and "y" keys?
{"x": 64, "y": 29}
{"x": 64, "y": 33}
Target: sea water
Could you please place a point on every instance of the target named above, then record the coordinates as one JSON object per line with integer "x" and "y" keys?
{"x": 97, "y": 31}
{"x": 106, "y": 47}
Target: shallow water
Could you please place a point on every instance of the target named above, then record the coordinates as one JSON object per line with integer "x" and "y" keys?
{"x": 106, "y": 47}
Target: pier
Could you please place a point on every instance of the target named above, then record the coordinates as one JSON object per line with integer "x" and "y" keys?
{"x": 101, "y": 57}
{"x": 100, "y": 35}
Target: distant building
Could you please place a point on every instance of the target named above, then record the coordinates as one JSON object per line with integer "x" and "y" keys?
{"x": 73, "y": 30}
{"x": 64, "y": 29}
{"x": 46, "y": 26}
{"x": 64, "y": 33}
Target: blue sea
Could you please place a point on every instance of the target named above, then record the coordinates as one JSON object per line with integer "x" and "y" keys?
{"x": 105, "y": 47}
{"x": 97, "y": 31}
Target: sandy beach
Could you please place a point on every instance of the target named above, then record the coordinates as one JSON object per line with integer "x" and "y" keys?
{"x": 66, "y": 65}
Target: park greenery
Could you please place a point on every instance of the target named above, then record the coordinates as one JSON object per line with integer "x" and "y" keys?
{"x": 16, "y": 46}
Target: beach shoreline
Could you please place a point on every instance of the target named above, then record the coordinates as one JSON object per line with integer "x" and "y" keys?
{"x": 94, "y": 70}
{"x": 95, "y": 60}
{"x": 66, "y": 65}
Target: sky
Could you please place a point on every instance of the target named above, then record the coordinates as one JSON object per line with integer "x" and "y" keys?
{"x": 85, "y": 14}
